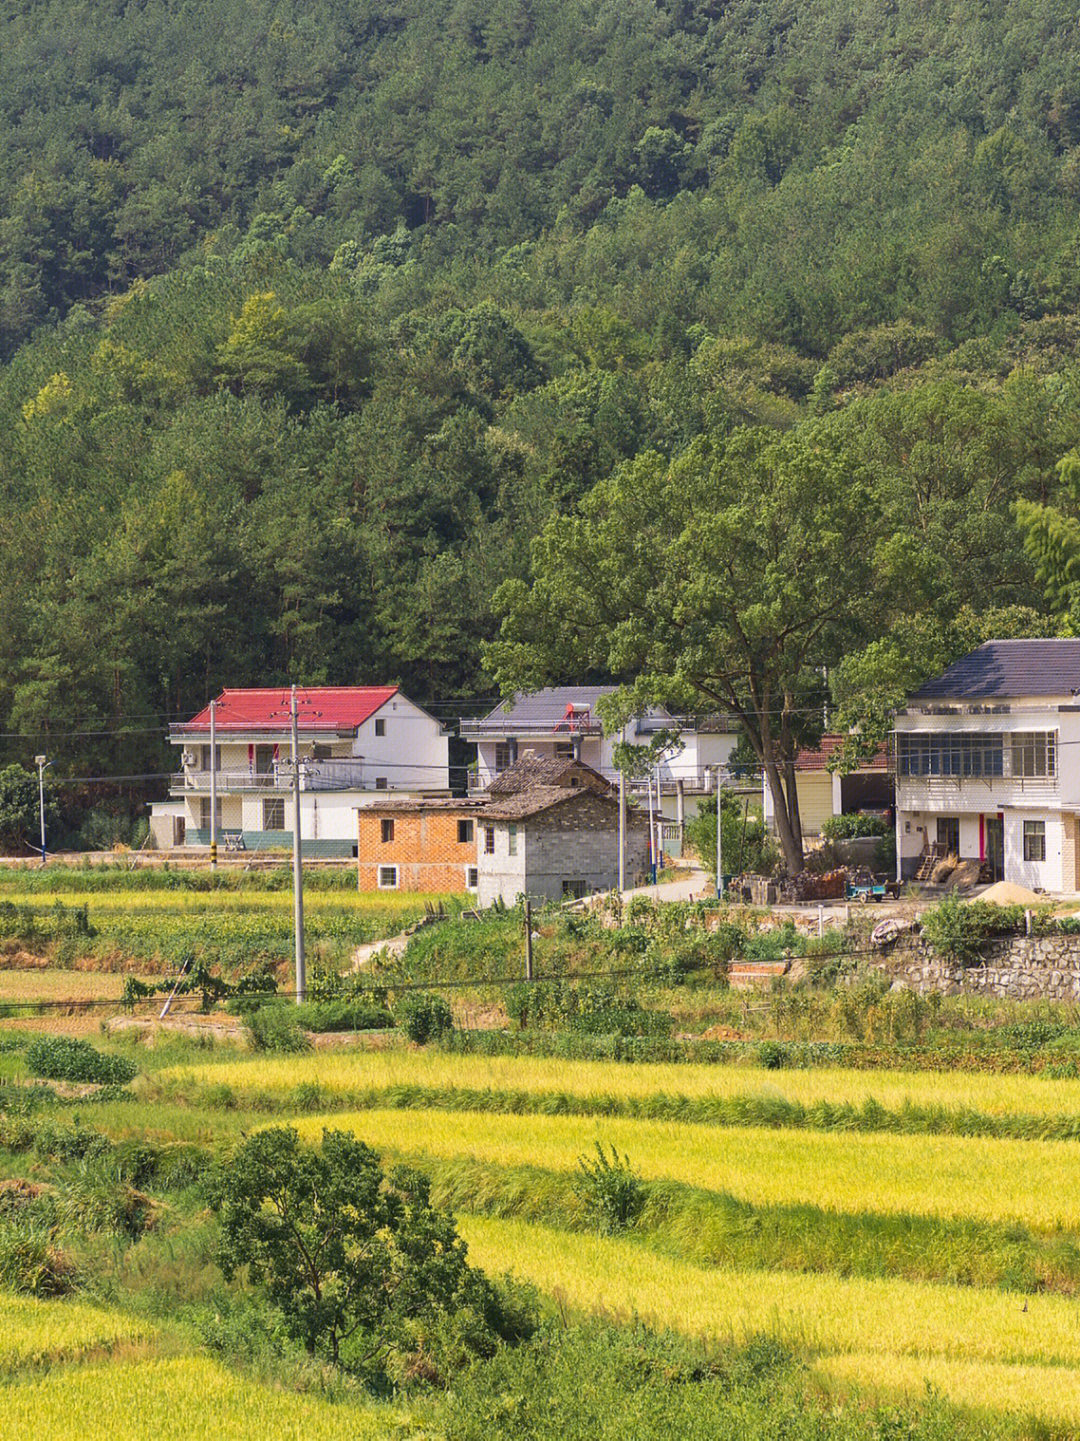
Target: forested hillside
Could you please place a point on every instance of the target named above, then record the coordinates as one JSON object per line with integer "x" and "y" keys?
{"x": 315, "y": 314}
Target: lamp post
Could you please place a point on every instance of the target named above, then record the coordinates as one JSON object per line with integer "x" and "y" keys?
{"x": 41, "y": 762}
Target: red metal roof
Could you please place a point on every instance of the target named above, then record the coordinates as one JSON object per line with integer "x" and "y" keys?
{"x": 818, "y": 760}
{"x": 320, "y": 708}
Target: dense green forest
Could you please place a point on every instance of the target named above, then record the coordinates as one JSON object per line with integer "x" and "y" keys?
{"x": 314, "y": 316}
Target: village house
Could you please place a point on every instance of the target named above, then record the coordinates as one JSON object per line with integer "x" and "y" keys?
{"x": 988, "y": 765}
{"x": 823, "y": 793}
{"x": 354, "y": 742}
{"x": 561, "y": 722}
{"x": 545, "y": 827}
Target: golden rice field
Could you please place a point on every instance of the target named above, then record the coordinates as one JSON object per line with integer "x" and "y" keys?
{"x": 362, "y": 1070}
{"x": 133, "y": 903}
{"x": 984, "y": 1349}
{"x": 42, "y": 984}
{"x": 33, "y": 1332}
{"x": 176, "y": 1400}
{"x": 1033, "y": 1182}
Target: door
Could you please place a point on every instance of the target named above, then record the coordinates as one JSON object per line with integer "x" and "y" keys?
{"x": 264, "y": 762}
{"x": 995, "y": 847}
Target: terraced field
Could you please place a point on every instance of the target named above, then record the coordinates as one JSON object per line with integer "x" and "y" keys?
{"x": 1012, "y": 1346}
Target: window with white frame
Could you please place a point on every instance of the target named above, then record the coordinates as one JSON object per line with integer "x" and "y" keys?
{"x": 950, "y": 753}
{"x": 204, "y": 813}
{"x": 502, "y": 756}
{"x": 1034, "y": 753}
{"x": 388, "y": 878}
{"x": 274, "y": 814}
{"x": 511, "y": 840}
{"x": 489, "y": 840}
{"x": 472, "y": 878}
{"x": 1034, "y": 840}
{"x": 465, "y": 833}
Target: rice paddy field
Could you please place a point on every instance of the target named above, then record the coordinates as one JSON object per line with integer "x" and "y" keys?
{"x": 504, "y": 1136}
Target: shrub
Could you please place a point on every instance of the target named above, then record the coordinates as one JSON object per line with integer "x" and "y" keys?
{"x": 610, "y": 1189}
{"x": 275, "y": 1028}
{"x": 853, "y": 825}
{"x": 958, "y": 930}
{"x": 423, "y": 1017}
{"x": 32, "y": 1264}
{"x": 343, "y": 1016}
{"x": 63, "y": 1058}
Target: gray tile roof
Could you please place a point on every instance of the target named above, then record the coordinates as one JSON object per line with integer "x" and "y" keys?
{"x": 543, "y": 707}
{"x": 1000, "y": 669}
{"x": 532, "y": 769}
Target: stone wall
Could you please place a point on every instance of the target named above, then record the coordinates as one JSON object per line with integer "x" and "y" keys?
{"x": 1017, "y": 968}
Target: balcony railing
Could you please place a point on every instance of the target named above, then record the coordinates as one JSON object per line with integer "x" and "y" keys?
{"x": 482, "y": 728}
{"x": 321, "y": 775}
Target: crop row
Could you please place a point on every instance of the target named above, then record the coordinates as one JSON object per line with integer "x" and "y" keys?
{"x": 1035, "y": 1183}
{"x": 881, "y": 1332}
{"x": 362, "y": 1072}
{"x": 33, "y": 1332}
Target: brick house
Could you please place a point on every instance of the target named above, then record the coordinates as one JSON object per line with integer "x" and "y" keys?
{"x": 415, "y": 845}
{"x": 546, "y": 827}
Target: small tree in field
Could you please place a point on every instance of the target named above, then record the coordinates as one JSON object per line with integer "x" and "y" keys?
{"x": 348, "y": 1253}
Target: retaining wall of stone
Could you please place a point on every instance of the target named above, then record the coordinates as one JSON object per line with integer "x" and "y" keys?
{"x": 1017, "y": 968}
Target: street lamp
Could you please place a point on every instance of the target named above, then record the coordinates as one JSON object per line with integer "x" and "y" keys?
{"x": 41, "y": 762}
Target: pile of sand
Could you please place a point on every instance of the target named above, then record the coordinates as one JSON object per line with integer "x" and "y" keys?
{"x": 1007, "y": 893}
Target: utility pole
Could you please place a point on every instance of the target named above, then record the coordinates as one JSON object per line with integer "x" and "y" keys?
{"x": 297, "y": 860}
{"x": 652, "y": 832}
{"x": 42, "y": 762}
{"x": 719, "y": 840}
{"x": 622, "y": 825}
{"x": 528, "y": 940}
{"x": 213, "y": 785}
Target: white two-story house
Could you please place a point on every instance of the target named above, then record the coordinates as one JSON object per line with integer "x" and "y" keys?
{"x": 561, "y": 722}
{"x": 354, "y": 743}
{"x": 988, "y": 765}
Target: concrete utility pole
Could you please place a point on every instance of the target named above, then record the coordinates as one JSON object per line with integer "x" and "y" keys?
{"x": 528, "y": 940}
{"x": 622, "y": 824}
{"x": 719, "y": 840}
{"x": 42, "y": 762}
{"x": 652, "y": 832}
{"x": 213, "y": 785}
{"x": 297, "y": 860}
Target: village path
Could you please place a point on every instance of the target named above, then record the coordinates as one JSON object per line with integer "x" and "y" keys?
{"x": 689, "y": 886}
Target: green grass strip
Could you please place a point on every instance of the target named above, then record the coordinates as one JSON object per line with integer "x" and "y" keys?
{"x": 715, "y": 1229}
{"x": 773, "y": 1112}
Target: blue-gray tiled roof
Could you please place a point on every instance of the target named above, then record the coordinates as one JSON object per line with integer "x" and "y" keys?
{"x": 1004, "y": 668}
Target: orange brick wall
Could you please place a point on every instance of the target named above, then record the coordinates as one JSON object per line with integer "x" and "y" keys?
{"x": 425, "y": 849}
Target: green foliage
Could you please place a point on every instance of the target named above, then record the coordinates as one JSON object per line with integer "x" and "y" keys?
{"x": 65, "y": 1058}
{"x": 610, "y": 1190}
{"x": 747, "y": 845}
{"x": 355, "y": 1260}
{"x": 276, "y": 1029}
{"x": 423, "y": 1017}
{"x": 584, "y": 1008}
{"x": 32, "y": 1263}
{"x": 853, "y": 826}
{"x": 958, "y": 929}
{"x": 19, "y": 810}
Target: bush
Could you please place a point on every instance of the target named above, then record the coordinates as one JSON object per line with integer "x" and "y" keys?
{"x": 62, "y": 1058}
{"x": 275, "y": 1028}
{"x": 343, "y": 1016}
{"x": 423, "y": 1017}
{"x": 32, "y": 1264}
{"x": 958, "y": 930}
{"x": 853, "y": 826}
{"x": 610, "y": 1189}
{"x": 592, "y": 1010}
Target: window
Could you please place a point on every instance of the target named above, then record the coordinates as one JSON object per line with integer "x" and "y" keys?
{"x": 204, "y": 813}
{"x": 388, "y": 878}
{"x": 575, "y": 890}
{"x": 274, "y": 814}
{"x": 948, "y": 835}
{"x": 511, "y": 840}
{"x": 465, "y": 833}
{"x": 950, "y": 753}
{"x": 1034, "y": 753}
{"x": 380, "y": 726}
{"x": 205, "y": 761}
{"x": 320, "y": 753}
{"x": 489, "y": 840}
{"x": 1034, "y": 840}
{"x": 386, "y": 830}
{"x": 380, "y": 783}
{"x": 564, "y": 750}
{"x": 472, "y": 878}
{"x": 502, "y": 756}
